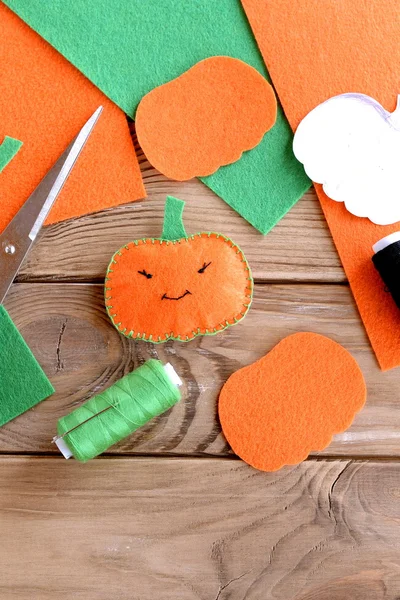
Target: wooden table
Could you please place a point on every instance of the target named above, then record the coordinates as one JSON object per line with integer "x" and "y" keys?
{"x": 170, "y": 513}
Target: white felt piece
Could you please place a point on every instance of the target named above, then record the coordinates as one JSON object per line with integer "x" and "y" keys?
{"x": 386, "y": 241}
{"x": 351, "y": 145}
{"x": 173, "y": 375}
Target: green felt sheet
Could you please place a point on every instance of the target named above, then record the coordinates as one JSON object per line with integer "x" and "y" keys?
{"x": 22, "y": 381}
{"x": 173, "y": 227}
{"x": 8, "y": 149}
{"x": 127, "y": 47}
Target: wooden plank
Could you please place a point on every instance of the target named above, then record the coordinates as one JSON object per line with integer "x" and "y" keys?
{"x": 68, "y": 330}
{"x": 190, "y": 529}
{"x": 299, "y": 248}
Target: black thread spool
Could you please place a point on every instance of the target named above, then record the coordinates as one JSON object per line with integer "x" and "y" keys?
{"x": 387, "y": 262}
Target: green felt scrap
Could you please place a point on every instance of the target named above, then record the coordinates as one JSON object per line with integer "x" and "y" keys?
{"x": 266, "y": 182}
{"x": 8, "y": 149}
{"x": 173, "y": 228}
{"x": 22, "y": 381}
{"x": 128, "y": 47}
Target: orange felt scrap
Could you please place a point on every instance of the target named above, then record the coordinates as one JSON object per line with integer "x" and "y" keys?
{"x": 205, "y": 118}
{"x": 44, "y": 102}
{"x": 291, "y": 402}
{"x": 318, "y": 49}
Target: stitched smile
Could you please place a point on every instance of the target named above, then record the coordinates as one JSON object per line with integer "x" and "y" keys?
{"x": 165, "y": 297}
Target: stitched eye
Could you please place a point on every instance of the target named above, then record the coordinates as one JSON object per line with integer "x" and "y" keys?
{"x": 204, "y": 267}
{"x": 148, "y": 275}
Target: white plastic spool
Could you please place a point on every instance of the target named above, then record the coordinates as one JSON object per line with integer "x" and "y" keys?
{"x": 386, "y": 241}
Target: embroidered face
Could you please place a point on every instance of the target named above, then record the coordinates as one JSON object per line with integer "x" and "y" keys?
{"x": 158, "y": 289}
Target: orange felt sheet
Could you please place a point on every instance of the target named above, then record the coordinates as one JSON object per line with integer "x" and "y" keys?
{"x": 316, "y": 49}
{"x": 205, "y": 118}
{"x": 44, "y": 101}
{"x": 291, "y": 402}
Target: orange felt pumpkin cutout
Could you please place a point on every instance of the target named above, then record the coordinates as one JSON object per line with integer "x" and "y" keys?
{"x": 291, "y": 402}
{"x": 205, "y": 118}
{"x": 177, "y": 287}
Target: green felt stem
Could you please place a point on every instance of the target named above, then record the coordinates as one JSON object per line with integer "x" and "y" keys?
{"x": 8, "y": 149}
{"x": 173, "y": 228}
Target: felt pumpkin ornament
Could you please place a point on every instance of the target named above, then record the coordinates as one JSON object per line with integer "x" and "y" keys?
{"x": 177, "y": 286}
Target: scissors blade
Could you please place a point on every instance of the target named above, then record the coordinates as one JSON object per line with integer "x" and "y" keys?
{"x": 20, "y": 233}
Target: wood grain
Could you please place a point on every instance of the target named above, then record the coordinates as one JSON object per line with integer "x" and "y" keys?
{"x": 69, "y": 332}
{"x": 299, "y": 248}
{"x": 126, "y": 528}
{"x": 198, "y": 529}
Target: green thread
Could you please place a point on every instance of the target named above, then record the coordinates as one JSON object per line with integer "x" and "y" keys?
{"x": 117, "y": 412}
{"x": 173, "y": 227}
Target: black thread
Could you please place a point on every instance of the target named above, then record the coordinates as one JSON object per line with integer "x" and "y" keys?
{"x": 204, "y": 267}
{"x": 165, "y": 297}
{"x": 148, "y": 275}
{"x": 387, "y": 263}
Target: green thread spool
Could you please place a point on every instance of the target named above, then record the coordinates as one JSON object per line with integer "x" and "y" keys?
{"x": 117, "y": 412}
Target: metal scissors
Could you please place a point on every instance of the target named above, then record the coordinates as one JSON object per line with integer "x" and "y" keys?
{"x": 19, "y": 235}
